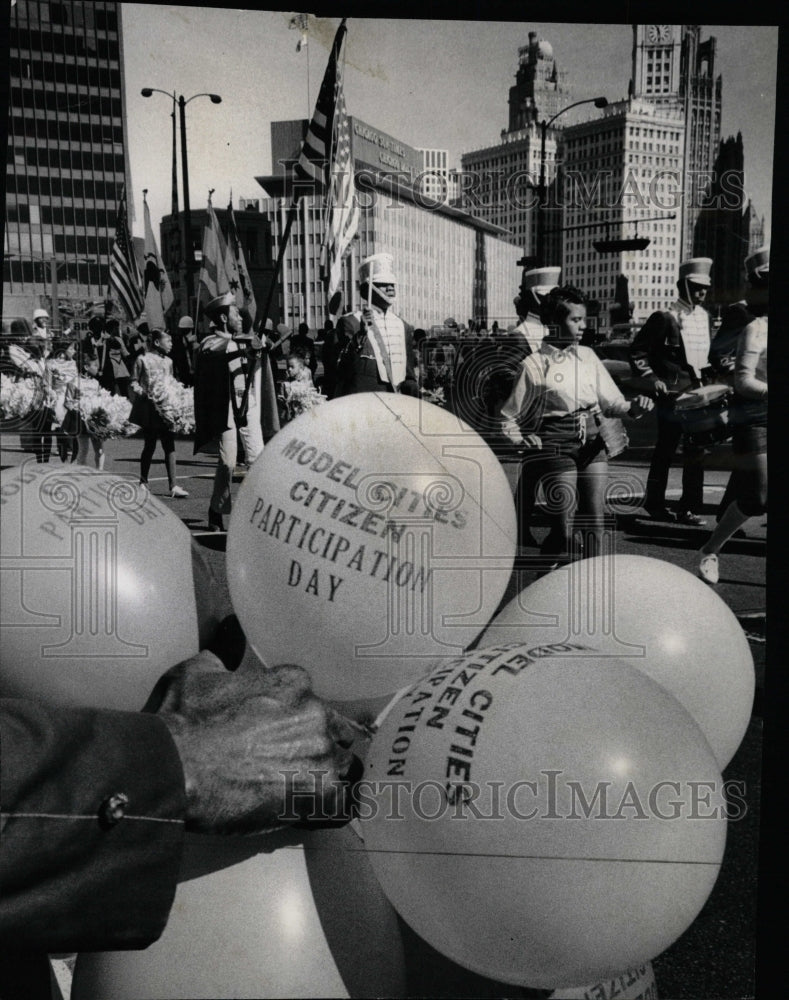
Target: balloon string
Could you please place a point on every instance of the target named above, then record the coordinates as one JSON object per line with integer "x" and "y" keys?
{"x": 511, "y": 857}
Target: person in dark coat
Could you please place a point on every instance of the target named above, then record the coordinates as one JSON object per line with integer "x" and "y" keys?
{"x": 95, "y": 802}
{"x": 671, "y": 349}
{"x": 378, "y": 356}
{"x": 229, "y": 390}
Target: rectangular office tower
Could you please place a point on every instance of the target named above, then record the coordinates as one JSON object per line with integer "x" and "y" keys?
{"x": 66, "y": 157}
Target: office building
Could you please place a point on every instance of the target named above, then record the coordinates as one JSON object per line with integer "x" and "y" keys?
{"x": 437, "y": 180}
{"x": 448, "y": 262}
{"x": 66, "y": 158}
{"x": 672, "y": 67}
{"x": 499, "y": 183}
{"x": 621, "y": 178}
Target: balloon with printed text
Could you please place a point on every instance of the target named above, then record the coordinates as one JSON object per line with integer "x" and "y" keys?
{"x": 662, "y": 619}
{"x": 543, "y": 819}
{"x": 373, "y": 536}
{"x": 101, "y": 588}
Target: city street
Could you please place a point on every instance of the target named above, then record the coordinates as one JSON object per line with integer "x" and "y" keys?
{"x": 715, "y": 957}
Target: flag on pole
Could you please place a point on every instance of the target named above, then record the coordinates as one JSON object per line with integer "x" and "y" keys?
{"x": 237, "y": 271}
{"x": 124, "y": 272}
{"x": 314, "y": 163}
{"x": 302, "y": 23}
{"x": 342, "y": 219}
{"x": 158, "y": 291}
{"x": 213, "y": 272}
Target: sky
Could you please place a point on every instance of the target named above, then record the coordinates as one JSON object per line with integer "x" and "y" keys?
{"x": 437, "y": 84}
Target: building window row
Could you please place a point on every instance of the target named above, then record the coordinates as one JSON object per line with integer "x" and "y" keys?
{"x": 71, "y": 73}
{"x": 65, "y": 159}
{"x": 66, "y": 131}
{"x": 65, "y": 187}
{"x": 88, "y": 15}
{"x": 47, "y": 99}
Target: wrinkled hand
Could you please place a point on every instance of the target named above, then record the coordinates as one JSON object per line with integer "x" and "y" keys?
{"x": 258, "y": 748}
{"x": 641, "y": 405}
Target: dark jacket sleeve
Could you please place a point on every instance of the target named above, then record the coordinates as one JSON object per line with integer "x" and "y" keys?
{"x": 75, "y": 875}
{"x": 410, "y": 386}
{"x": 657, "y": 350}
{"x": 723, "y": 349}
{"x": 347, "y": 329}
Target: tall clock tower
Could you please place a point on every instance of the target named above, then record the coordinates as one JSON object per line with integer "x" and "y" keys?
{"x": 657, "y": 57}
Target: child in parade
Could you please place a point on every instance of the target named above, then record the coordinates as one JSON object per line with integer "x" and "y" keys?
{"x": 144, "y": 413}
{"x": 558, "y": 413}
{"x": 74, "y": 425}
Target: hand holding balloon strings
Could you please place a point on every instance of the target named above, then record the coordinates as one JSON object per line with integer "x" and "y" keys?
{"x": 258, "y": 748}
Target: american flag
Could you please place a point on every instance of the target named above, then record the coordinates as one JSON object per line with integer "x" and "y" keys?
{"x": 124, "y": 272}
{"x": 343, "y": 214}
{"x": 314, "y": 163}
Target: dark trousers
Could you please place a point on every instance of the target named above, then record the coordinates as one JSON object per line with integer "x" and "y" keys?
{"x": 669, "y": 435}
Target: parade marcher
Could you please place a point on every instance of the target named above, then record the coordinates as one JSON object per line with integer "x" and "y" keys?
{"x": 96, "y": 803}
{"x": 34, "y": 356}
{"x": 558, "y": 411}
{"x": 301, "y": 341}
{"x": 228, "y": 396}
{"x": 671, "y": 349}
{"x": 379, "y": 350}
{"x": 748, "y": 417}
{"x": 329, "y": 355}
{"x": 63, "y": 370}
{"x": 136, "y": 344}
{"x": 183, "y": 345}
{"x": 83, "y": 385}
{"x": 95, "y": 342}
{"x": 115, "y": 376}
{"x": 536, "y": 284}
{"x": 144, "y": 413}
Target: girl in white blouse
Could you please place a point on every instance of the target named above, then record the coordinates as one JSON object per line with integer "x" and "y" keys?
{"x": 558, "y": 412}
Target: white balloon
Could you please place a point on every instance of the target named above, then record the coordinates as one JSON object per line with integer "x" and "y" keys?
{"x": 101, "y": 588}
{"x": 287, "y": 915}
{"x": 662, "y": 619}
{"x": 543, "y": 819}
{"x": 374, "y": 535}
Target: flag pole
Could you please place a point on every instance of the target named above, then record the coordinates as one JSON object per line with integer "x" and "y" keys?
{"x": 331, "y": 67}
{"x": 292, "y": 212}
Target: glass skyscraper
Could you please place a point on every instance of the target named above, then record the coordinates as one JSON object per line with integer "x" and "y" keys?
{"x": 66, "y": 155}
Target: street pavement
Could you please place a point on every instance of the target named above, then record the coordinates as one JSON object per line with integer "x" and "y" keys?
{"x": 715, "y": 958}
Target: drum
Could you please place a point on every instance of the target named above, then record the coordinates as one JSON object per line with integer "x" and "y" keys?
{"x": 704, "y": 414}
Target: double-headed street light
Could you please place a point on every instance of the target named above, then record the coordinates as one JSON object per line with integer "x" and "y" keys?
{"x": 186, "y": 230}
{"x": 599, "y": 102}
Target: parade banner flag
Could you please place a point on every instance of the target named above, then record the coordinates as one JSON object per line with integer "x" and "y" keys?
{"x": 314, "y": 163}
{"x": 124, "y": 273}
{"x": 158, "y": 291}
{"x": 213, "y": 272}
{"x": 236, "y": 266}
{"x": 342, "y": 220}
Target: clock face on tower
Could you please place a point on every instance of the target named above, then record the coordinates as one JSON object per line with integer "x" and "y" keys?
{"x": 658, "y": 33}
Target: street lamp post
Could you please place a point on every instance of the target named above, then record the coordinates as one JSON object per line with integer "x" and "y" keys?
{"x": 186, "y": 228}
{"x": 599, "y": 102}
